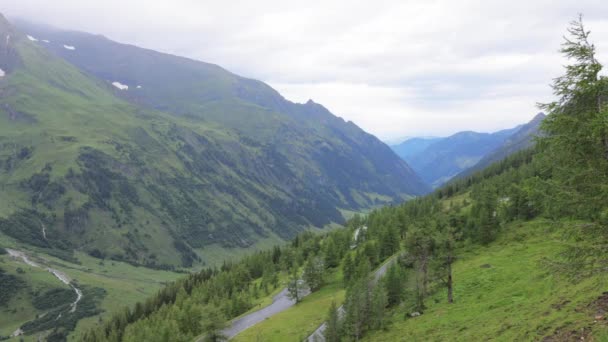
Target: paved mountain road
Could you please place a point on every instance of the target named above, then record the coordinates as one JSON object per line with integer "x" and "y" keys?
{"x": 280, "y": 302}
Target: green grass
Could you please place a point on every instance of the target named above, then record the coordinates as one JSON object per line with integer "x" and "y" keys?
{"x": 516, "y": 299}
{"x": 301, "y": 320}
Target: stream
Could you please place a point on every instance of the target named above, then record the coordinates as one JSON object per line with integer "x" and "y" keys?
{"x": 58, "y": 274}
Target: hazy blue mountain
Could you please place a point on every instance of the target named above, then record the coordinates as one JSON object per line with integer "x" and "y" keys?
{"x": 440, "y": 159}
{"x": 523, "y": 138}
{"x": 413, "y": 146}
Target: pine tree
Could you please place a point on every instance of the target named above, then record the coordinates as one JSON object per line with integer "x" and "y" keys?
{"x": 348, "y": 270}
{"x": 575, "y": 148}
{"x": 420, "y": 245}
{"x": 213, "y": 324}
{"x": 294, "y": 286}
{"x": 379, "y": 302}
{"x": 333, "y": 325}
{"x": 332, "y": 258}
{"x": 357, "y": 306}
{"x": 394, "y": 284}
{"x": 444, "y": 258}
{"x": 576, "y": 129}
{"x": 314, "y": 272}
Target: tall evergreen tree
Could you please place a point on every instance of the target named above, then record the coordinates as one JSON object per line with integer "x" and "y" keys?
{"x": 294, "y": 286}
{"x": 575, "y": 148}
{"x": 314, "y": 273}
{"x": 332, "y": 331}
{"x": 394, "y": 284}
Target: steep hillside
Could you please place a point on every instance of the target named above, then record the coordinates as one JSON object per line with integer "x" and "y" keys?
{"x": 504, "y": 292}
{"x": 446, "y": 157}
{"x": 523, "y": 138}
{"x": 81, "y": 168}
{"x": 319, "y": 145}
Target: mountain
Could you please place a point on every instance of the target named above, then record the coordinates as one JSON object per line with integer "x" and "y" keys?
{"x": 413, "y": 146}
{"x": 130, "y": 154}
{"x": 523, "y": 138}
{"x": 437, "y": 160}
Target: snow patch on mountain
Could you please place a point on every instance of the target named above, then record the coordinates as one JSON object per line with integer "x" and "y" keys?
{"x": 46, "y": 41}
{"x": 69, "y": 47}
{"x": 120, "y": 85}
{"x": 32, "y": 38}
{"x": 2, "y": 73}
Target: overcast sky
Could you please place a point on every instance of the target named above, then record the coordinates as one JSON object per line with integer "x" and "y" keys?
{"x": 395, "y": 68}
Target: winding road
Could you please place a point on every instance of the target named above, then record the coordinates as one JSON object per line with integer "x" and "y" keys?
{"x": 58, "y": 274}
{"x": 280, "y": 302}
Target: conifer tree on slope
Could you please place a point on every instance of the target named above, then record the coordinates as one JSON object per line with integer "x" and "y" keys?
{"x": 575, "y": 148}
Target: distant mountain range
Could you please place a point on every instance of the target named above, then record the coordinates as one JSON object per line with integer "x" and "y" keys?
{"x": 437, "y": 160}
{"x": 135, "y": 155}
{"x": 523, "y": 138}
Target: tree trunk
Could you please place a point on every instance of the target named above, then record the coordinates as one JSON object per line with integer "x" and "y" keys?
{"x": 605, "y": 143}
{"x": 425, "y": 278}
{"x": 450, "y": 285}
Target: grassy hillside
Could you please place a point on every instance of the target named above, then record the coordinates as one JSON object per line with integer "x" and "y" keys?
{"x": 505, "y": 292}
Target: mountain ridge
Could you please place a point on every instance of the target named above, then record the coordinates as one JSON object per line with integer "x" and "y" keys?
{"x": 437, "y": 160}
{"x": 521, "y": 139}
{"x": 125, "y": 178}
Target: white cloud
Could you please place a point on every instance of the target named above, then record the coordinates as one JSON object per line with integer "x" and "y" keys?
{"x": 393, "y": 67}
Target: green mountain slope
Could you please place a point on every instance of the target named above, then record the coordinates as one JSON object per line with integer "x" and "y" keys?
{"x": 82, "y": 168}
{"x": 324, "y": 151}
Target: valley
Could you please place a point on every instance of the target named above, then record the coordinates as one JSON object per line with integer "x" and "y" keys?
{"x": 440, "y": 160}
{"x": 149, "y": 196}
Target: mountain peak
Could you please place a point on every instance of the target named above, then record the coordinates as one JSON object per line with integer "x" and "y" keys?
{"x": 539, "y": 117}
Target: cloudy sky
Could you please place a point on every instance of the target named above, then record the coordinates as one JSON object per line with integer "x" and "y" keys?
{"x": 395, "y": 68}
